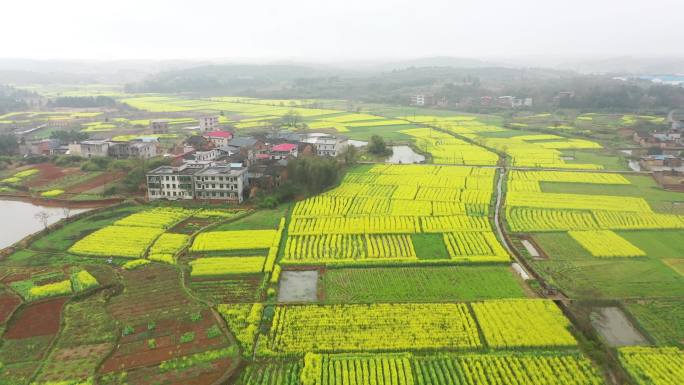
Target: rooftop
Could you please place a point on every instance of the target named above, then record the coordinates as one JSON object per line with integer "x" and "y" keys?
{"x": 219, "y": 134}
{"x": 284, "y": 147}
{"x": 94, "y": 142}
{"x": 221, "y": 170}
{"x": 242, "y": 141}
{"x": 170, "y": 170}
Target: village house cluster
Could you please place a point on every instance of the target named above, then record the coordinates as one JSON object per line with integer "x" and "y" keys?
{"x": 227, "y": 165}
{"x": 506, "y": 101}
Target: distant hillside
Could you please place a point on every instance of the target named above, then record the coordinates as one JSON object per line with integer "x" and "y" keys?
{"x": 225, "y": 77}
{"x": 27, "y": 71}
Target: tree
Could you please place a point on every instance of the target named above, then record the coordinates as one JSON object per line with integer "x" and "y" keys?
{"x": 66, "y": 212}
{"x": 82, "y": 101}
{"x": 197, "y": 142}
{"x": 291, "y": 118}
{"x": 313, "y": 173}
{"x": 349, "y": 155}
{"x": 377, "y": 146}
{"x": 43, "y": 217}
{"x": 8, "y": 144}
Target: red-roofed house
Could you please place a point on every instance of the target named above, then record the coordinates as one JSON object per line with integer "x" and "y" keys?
{"x": 219, "y": 138}
{"x": 284, "y": 150}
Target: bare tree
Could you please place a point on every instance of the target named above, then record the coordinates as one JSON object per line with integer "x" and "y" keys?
{"x": 43, "y": 217}
{"x": 66, "y": 212}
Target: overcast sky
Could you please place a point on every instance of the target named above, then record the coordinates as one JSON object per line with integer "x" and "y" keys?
{"x": 324, "y": 30}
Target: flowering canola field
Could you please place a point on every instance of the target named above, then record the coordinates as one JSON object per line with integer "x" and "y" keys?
{"x": 117, "y": 241}
{"x": 605, "y": 243}
{"x": 372, "y": 327}
{"x": 653, "y": 366}
{"x": 233, "y": 240}
{"x": 528, "y": 209}
{"x": 371, "y": 217}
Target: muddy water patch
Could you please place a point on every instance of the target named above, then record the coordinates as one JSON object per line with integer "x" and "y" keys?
{"x": 298, "y": 286}
{"x": 614, "y": 326}
{"x": 530, "y": 248}
{"x": 404, "y": 155}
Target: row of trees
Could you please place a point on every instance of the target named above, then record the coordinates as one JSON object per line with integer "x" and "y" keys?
{"x": 82, "y": 101}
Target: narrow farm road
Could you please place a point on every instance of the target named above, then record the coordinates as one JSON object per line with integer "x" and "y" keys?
{"x": 498, "y": 223}
{"x": 497, "y": 210}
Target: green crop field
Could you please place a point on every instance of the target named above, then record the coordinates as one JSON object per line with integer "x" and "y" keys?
{"x": 573, "y": 269}
{"x": 426, "y": 284}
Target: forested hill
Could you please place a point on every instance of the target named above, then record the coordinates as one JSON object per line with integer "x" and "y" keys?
{"x": 461, "y": 86}
{"x": 222, "y": 77}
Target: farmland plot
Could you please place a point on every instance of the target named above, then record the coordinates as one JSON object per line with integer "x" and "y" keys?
{"x": 233, "y": 240}
{"x": 506, "y": 369}
{"x": 87, "y": 337}
{"x": 117, "y": 241}
{"x": 161, "y": 323}
{"x": 371, "y": 217}
{"x": 523, "y": 323}
{"x": 653, "y": 366}
{"x": 339, "y": 328}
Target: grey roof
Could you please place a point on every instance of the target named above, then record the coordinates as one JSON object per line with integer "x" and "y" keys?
{"x": 220, "y": 170}
{"x": 289, "y": 136}
{"x": 94, "y": 142}
{"x": 170, "y": 170}
{"x": 229, "y": 148}
{"x": 242, "y": 141}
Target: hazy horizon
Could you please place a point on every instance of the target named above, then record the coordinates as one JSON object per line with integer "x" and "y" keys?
{"x": 350, "y": 31}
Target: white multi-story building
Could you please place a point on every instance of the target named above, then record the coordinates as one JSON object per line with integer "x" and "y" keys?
{"x": 94, "y": 148}
{"x": 210, "y": 155}
{"x": 198, "y": 180}
{"x": 143, "y": 149}
{"x": 326, "y": 144}
{"x": 221, "y": 182}
{"x": 208, "y": 123}
{"x": 422, "y": 100}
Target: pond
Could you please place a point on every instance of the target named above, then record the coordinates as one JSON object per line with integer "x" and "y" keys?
{"x": 298, "y": 286}
{"x": 18, "y": 220}
{"x": 404, "y": 154}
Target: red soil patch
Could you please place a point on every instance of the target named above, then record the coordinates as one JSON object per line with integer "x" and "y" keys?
{"x": 133, "y": 351}
{"x": 37, "y": 319}
{"x": 8, "y": 303}
{"x": 48, "y": 173}
{"x": 16, "y": 277}
{"x": 95, "y": 182}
